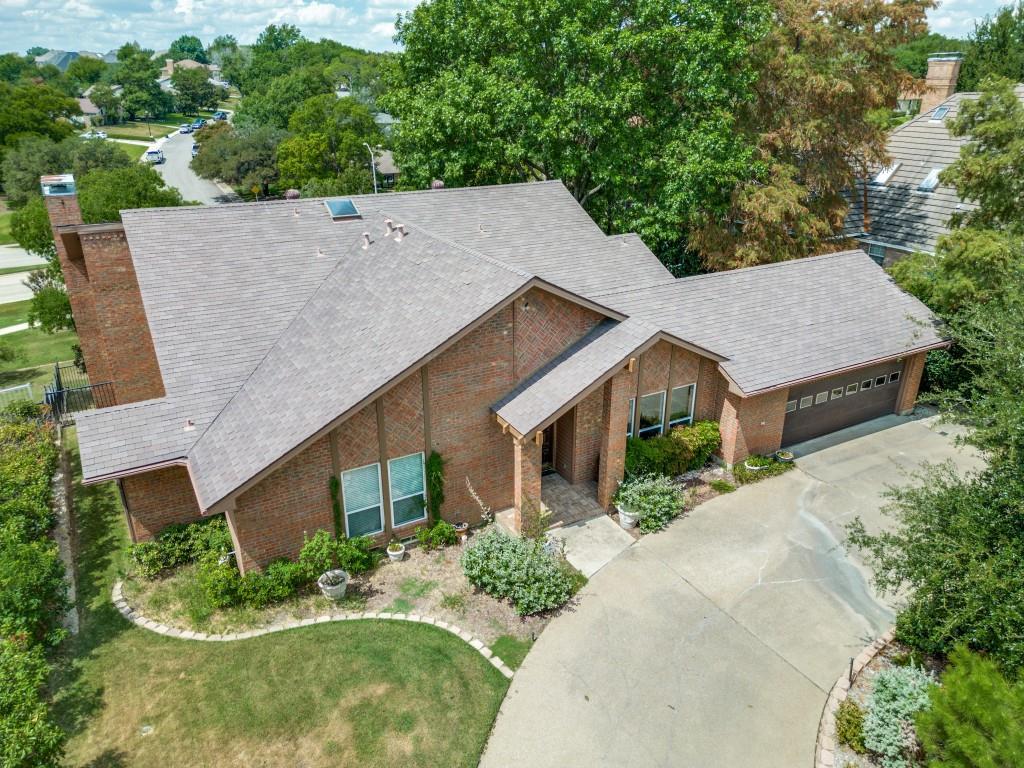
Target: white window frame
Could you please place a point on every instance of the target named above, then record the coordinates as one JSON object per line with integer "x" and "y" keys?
{"x": 838, "y": 392}
{"x": 894, "y": 377}
{"x": 423, "y": 493}
{"x": 693, "y": 402}
{"x": 643, "y": 432}
{"x": 866, "y": 385}
{"x": 790, "y": 406}
{"x": 806, "y": 401}
{"x": 380, "y": 497}
{"x": 852, "y": 389}
{"x": 883, "y": 176}
{"x": 881, "y": 381}
{"x": 630, "y": 425}
{"x": 821, "y": 397}
{"x": 930, "y": 182}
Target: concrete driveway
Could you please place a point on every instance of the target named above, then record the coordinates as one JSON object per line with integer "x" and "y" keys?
{"x": 714, "y": 643}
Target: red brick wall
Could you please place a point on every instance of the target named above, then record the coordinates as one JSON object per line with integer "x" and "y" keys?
{"x": 589, "y": 424}
{"x": 403, "y": 417}
{"x": 709, "y": 383}
{"x": 131, "y": 357}
{"x": 545, "y": 325}
{"x": 157, "y": 499}
{"x": 274, "y": 516}
{"x": 751, "y": 425}
{"x": 565, "y": 438}
{"x": 614, "y": 409}
{"x": 526, "y": 456}
{"x": 357, "y": 439}
{"x": 654, "y": 368}
{"x": 913, "y": 368}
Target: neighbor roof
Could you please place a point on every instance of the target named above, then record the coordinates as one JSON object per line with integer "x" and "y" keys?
{"x": 901, "y": 215}
{"x": 782, "y": 323}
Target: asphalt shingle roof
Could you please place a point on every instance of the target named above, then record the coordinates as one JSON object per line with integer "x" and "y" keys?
{"x": 602, "y": 350}
{"x": 780, "y": 323}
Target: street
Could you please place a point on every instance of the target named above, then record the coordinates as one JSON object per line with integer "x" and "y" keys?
{"x": 178, "y": 173}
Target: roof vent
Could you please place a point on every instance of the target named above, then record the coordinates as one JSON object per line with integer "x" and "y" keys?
{"x": 366, "y": 240}
{"x": 400, "y": 233}
{"x": 389, "y": 227}
{"x": 189, "y": 425}
{"x": 342, "y": 208}
{"x": 292, "y": 194}
{"x": 437, "y": 184}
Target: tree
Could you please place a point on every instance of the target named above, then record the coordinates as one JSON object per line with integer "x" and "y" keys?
{"x": 976, "y": 717}
{"x": 108, "y": 102}
{"x": 85, "y": 71}
{"x": 188, "y": 47}
{"x": 996, "y": 48}
{"x": 221, "y": 45}
{"x": 631, "y": 106}
{"x": 104, "y": 192}
{"x": 193, "y": 90}
{"x": 35, "y": 156}
{"x": 283, "y": 95}
{"x": 137, "y": 73}
{"x": 824, "y": 71}
{"x": 14, "y": 68}
{"x": 33, "y": 109}
{"x": 912, "y": 56}
{"x": 243, "y": 157}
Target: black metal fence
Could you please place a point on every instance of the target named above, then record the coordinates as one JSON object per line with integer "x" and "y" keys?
{"x": 71, "y": 392}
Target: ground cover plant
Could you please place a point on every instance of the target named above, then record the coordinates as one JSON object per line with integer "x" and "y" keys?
{"x": 755, "y": 468}
{"x": 654, "y": 499}
{"x": 899, "y": 693}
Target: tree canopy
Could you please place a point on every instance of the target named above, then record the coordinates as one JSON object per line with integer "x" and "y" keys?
{"x": 188, "y": 47}
{"x": 912, "y": 56}
{"x": 193, "y": 90}
{"x": 136, "y": 72}
{"x": 995, "y": 49}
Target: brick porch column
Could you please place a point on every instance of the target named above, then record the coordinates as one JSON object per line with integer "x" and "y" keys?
{"x": 615, "y": 414}
{"x": 912, "y": 372}
{"x": 526, "y": 463}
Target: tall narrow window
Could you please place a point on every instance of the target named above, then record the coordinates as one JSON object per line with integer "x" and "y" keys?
{"x": 652, "y": 414}
{"x": 405, "y": 479}
{"x": 681, "y": 407}
{"x": 360, "y": 489}
{"x": 630, "y": 417}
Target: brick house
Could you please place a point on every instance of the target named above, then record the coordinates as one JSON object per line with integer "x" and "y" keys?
{"x": 259, "y": 350}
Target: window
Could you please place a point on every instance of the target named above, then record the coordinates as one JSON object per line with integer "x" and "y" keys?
{"x": 405, "y": 479}
{"x": 931, "y": 181}
{"x": 681, "y": 407}
{"x": 806, "y": 402}
{"x": 652, "y": 414}
{"x": 837, "y": 393}
{"x": 820, "y": 398}
{"x": 880, "y": 381}
{"x": 894, "y": 377}
{"x": 360, "y": 489}
{"x": 883, "y": 176}
{"x": 851, "y": 389}
{"x": 865, "y": 384}
{"x": 630, "y": 416}
{"x": 791, "y": 406}
{"x": 877, "y": 254}
{"x": 939, "y": 113}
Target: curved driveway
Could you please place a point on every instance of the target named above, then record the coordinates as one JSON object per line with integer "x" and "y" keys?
{"x": 714, "y": 643}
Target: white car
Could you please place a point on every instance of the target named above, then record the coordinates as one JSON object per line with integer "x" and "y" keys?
{"x": 154, "y": 157}
{"x": 185, "y": 128}
{"x": 94, "y": 135}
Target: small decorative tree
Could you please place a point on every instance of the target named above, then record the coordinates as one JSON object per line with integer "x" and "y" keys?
{"x": 435, "y": 486}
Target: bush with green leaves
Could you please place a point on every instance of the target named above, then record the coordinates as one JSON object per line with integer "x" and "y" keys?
{"x": 33, "y": 594}
{"x": 683, "y": 449}
{"x": 519, "y": 570}
{"x": 322, "y": 552}
{"x": 441, "y": 534}
{"x": 28, "y": 459}
{"x": 181, "y": 543}
{"x": 897, "y": 695}
{"x": 28, "y": 737}
{"x": 850, "y": 726}
{"x": 976, "y": 719}
{"x": 754, "y": 468}
{"x": 654, "y": 499}
{"x": 21, "y": 410}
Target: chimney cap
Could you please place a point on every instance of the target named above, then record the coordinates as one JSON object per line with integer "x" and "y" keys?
{"x": 57, "y": 185}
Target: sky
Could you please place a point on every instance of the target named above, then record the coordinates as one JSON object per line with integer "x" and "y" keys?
{"x": 100, "y": 25}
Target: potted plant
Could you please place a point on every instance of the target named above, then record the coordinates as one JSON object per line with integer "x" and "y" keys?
{"x": 396, "y": 551}
{"x": 333, "y": 584}
{"x": 785, "y": 456}
{"x": 627, "y": 519}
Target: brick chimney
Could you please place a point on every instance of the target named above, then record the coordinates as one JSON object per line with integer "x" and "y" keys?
{"x": 99, "y": 276}
{"x": 940, "y": 82}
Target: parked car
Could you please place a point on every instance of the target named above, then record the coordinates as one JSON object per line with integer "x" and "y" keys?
{"x": 154, "y": 157}
{"x": 185, "y": 128}
{"x": 195, "y": 150}
{"x": 94, "y": 134}
{"x": 198, "y": 123}
{"x": 220, "y": 115}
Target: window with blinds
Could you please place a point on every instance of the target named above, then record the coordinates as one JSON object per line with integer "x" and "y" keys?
{"x": 361, "y": 493}
{"x": 405, "y": 478}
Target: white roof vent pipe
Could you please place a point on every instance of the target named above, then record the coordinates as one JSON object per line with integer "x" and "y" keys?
{"x": 366, "y": 240}
{"x": 389, "y": 225}
{"x": 400, "y": 233}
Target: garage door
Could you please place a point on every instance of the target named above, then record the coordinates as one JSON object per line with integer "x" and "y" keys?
{"x": 826, "y": 405}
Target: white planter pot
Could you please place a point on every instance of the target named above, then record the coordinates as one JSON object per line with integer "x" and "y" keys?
{"x": 396, "y": 555}
{"x": 627, "y": 520}
{"x": 333, "y": 591}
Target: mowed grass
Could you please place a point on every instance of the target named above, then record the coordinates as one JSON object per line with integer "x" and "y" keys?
{"x": 14, "y": 312}
{"x": 366, "y": 693}
{"x": 35, "y": 348}
{"x": 5, "y": 228}
{"x": 134, "y": 150}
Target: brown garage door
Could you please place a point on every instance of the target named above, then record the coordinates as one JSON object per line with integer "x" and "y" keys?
{"x": 825, "y": 405}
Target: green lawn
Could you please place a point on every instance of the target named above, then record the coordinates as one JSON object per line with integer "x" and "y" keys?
{"x": 37, "y": 348}
{"x": 134, "y": 150}
{"x": 15, "y": 270}
{"x": 13, "y": 313}
{"x": 5, "y": 228}
{"x": 367, "y": 693}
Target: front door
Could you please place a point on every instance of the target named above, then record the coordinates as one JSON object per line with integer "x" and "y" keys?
{"x": 547, "y": 451}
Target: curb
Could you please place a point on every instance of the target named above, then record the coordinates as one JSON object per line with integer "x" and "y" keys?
{"x": 825, "y": 746}
{"x": 136, "y": 618}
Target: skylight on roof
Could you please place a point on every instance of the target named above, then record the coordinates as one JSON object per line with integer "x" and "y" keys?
{"x": 885, "y": 174}
{"x": 931, "y": 181}
{"x": 939, "y": 113}
{"x": 342, "y": 208}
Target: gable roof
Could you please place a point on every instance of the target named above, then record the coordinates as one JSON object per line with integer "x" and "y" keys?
{"x": 782, "y": 323}
{"x": 901, "y": 215}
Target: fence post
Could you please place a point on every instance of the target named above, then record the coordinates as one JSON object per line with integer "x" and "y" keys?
{"x": 56, "y": 377}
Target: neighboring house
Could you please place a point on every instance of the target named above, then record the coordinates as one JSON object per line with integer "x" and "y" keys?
{"x": 385, "y": 122}
{"x": 278, "y": 345}
{"x": 89, "y": 112}
{"x": 167, "y": 70}
{"x": 387, "y": 171}
{"x": 908, "y": 208}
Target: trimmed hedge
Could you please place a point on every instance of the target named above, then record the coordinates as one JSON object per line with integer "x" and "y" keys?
{"x": 683, "y": 449}
{"x": 28, "y": 739}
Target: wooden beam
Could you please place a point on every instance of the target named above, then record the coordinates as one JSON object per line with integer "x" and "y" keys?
{"x": 538, "y": 438}
{"x": 632, "y": 365}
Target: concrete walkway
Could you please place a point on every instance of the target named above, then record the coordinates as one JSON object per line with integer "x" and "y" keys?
{"x": 16, "y": 256}
{"x": 13, "y": 328}
{"x": 714, "y": 643}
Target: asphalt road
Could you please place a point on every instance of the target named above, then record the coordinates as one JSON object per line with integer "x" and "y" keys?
{"x": 178, "y": 173}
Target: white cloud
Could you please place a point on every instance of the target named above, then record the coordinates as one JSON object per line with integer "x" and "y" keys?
{"x": 956, "y": 18}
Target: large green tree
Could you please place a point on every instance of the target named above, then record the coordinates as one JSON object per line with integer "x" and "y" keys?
{"x": 193, "y": 90}
{"x": 283, "y": 95}
{"x": 137, "y": 73}
{"x": 912, "y": 56}
{"x": 631, "y": 105}
{"x": 33, "y": 110}
{"x": 245, "y": 156}
{"x": 85, "y": 71}
{"x": 996, "y": 48}
{"x": 188, "y": 47}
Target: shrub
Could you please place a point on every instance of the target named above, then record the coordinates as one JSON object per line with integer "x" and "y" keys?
{"x": 28, "y": 459}
{"x": 722, "y": 486}
{"x": 976, "y": 717}
{"x": 768, "y": 467}
{"x": 181, "y": 543}
{"x": 644, "y": 457}
{"x": 683, "y": 449}
{"x": 696, "y": 443}
{"x": 219, "y": 580}
{"x": 654, "y": 499}
{"x": 441, "y": 534}
{"x": 434, "y": 469}
{"x": 850, "y": 726}
{"x": 519, "y": 570}
{"x": 318, "y": 555}
{"x": 33, "y": 594}
{"x": 21, "y": 410}
{"x": 28, "y": 738}
{"x": 899, "y": 693}
{"x": 356, "y": 555}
